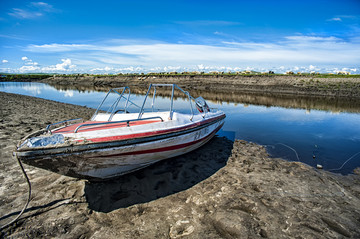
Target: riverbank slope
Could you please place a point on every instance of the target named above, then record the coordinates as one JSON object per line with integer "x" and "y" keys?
{"x": 298, "y": 85}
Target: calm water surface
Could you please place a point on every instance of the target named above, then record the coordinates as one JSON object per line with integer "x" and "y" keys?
{"x": 331, "y": 139}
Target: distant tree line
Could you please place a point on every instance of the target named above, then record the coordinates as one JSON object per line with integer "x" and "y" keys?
{"x": 34, "y": 77}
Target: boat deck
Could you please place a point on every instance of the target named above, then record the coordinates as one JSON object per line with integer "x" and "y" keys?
{"x": 101, "y": 125}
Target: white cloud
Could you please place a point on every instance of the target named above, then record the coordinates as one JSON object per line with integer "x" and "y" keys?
{"x": 201, "y": 67}
{"x": 24, "y": 14}
{"x": 208, "y": 23}
{"x": 4, "y": 61}
{"x": 29, "y": 61}
{"x": 51, "y": 48}
{"x": 294, "y": 50}
{"x": 341, "y": 18}
{"x": 294, "y": 53}
{"x": 66, "y": 65}
{"x": 171, "y": 68}
{"x": 335, "y": 19}
{"x": 108, "y": 69}
{"x": 29, "y": 68}
{"x": 43, "y": 6}
{"x": 313, "y": 39}
{"x": 32, "y": 11}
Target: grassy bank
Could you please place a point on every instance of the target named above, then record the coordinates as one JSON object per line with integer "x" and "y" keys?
{"x": 318, "y": 85}
{"x": 39, "y": 76}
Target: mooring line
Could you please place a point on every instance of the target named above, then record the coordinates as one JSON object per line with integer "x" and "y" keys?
{"x": 297, "y": 156}
{"x": 28, "y": 199}
{"x": 335, "y": 169}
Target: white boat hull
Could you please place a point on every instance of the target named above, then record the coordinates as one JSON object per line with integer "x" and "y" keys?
{"x": 109, "y": 162}
{"x": 118, "y": 161}
{"x": 115, "y": 142}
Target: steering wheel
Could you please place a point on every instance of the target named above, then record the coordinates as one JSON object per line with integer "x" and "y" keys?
{"x": 122, "y": 111}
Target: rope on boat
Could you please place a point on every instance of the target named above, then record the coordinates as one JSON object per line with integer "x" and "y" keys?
{"x": 28, "y": 199}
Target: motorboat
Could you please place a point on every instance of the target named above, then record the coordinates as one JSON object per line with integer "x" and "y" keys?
{"x": 123, "y": 135}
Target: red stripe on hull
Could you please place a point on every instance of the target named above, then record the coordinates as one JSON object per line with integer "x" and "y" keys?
{"x": 71, "y": 128}
{"x": 152, "y": 133}
{"x": 169, "y": 148}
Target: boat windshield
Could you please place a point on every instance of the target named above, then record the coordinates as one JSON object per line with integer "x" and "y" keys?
{"x": 120, "y": 101}
{"x": 117, "y": 100}
{"x": 175, "y": 92}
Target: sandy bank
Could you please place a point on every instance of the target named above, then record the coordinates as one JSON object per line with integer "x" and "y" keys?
{"x": 222, "y": 190}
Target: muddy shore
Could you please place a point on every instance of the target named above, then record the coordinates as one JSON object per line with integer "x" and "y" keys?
{"x": 223, "y": 190}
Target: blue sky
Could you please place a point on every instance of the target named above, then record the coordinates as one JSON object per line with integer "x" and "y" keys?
{"x": 151, "y": 36}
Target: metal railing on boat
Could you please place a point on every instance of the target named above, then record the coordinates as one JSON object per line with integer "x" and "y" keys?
{"x": 112, "y": 109}
{"x": 199, "y": 102}
{"x": 65, "y": 122}
{"x": 172, "y": 100}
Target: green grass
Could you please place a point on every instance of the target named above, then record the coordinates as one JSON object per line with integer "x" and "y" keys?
{"x": 337, "y": 76}
{"x": 14, "y": 77}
